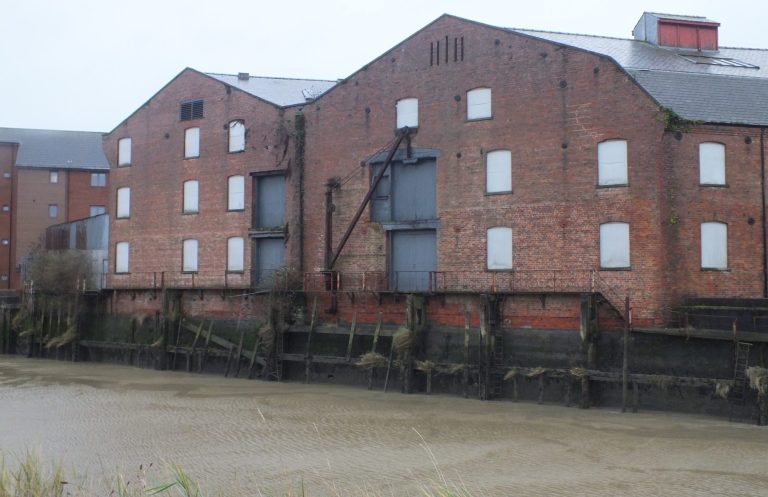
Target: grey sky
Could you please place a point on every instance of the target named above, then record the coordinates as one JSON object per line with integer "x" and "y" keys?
{"x": 87, "y": 64}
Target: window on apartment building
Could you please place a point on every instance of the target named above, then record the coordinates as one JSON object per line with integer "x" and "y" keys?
{"x": 121, "y": 257}
{"x": 6, "y": 241}
{"x": 236, "y": 193}
{"x": 98, "y": 179}
{"x": 53, "y": 176}
{"x": 714, "y": 245}
{"x": 711, "y": 164}
{"x": 6, "y": 208}
{"x": 612, "y": 163}
{"x": 189, "y": 256}
{"x": 123, "y": 202}
{"x": 614, "y": 246}
{"x": 236, "y": 136}
{"x": 498, "y": 171}
{"x": 191, "y": 109}
{"x": 479, "y": 103}
{"x": 407, "y": 111}
{"x": 499, "y": 242}
{"x": 53, "y": 211}
{"x": 191, "y": 143}
{"x": 97, "y": 210}
{"x": 191, "y": 189}
{"x": 124, "y": 152}
{"x": 235, "y": 254}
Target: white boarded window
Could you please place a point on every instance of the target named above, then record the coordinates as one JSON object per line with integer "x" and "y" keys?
{"x": 712, "y": 164}
{"x": 236, "y": 193}
{"x": 123, "y": 202}
{"x": 714, "y": 245}
{"x": 498, "y": 177}
{"x": 191, "y": 196}
{"x": 236, "y": 136}
{"x": 235, "y": 254}
{"x": 614, "y": 245}
{"x": 191, "y": 143}
{"x": 479, "y": 103}
{"x": 612, "y": 162}
{"x": 124, "y": 152}
{"x": 408, "y": 113}
{"x": 53, "y": 176}
{"x": 189, "y": 256}
{"x": 499, "y": 242}
{"x": 121, "y": 257}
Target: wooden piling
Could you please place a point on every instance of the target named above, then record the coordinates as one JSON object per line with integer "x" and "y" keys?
{"x": 625, "y": 362}
{"x": 635, "y": 396}
{"x": 351, "y": 336}
{"x": 253, "y": 358}
{"x": 429, "y": 382}
{"x": 542, "y": 380}
{"x": 568, "y": 388}
{"x": 229, "y": 361}
{"x": 514, "y": 389}
{"x": 373, "y": 347}
{"x": 389, "y": 364}
{"x": 584, "y": 401}
{"x": 308, "y": 353}
{"x": 465, "y": 372}
{"x": 201, "y": 367}
{"x": 484, "y": 370}
{"x": 239, "y": 353}
{"x": 191, "y": 354}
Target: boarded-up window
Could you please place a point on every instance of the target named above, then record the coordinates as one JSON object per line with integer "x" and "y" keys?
{"x": 714, "y": 245}
{"x": 191, "y": 197}
{"x": 712, "y": 164}
{"x": 479, "y": 103}
{"x": 235, "y": 254}
{"x": 192, "y": 143}
{"x": 614, "y": 245}
{"x": 612, "y": 162}
{"x": 124, "y": 152}
{"x": 236, "y": 136}
{"x": 270, "y": 201}
{"x": 267, "y": 258}
{"x": 121, "y": 257}
{"x": 236, "y": 193}
{"x": 498, "y": 171}
{"x": 53, "y": 211}
{"x": 53, "y": 176}
{"x": 123, "y": 202}
{"x": 499, "y": 242}
{"x": 189, "y": 256}
{"x": 408, "y": 113}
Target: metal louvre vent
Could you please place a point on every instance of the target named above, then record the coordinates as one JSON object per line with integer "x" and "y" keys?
{"x": 192, "y": 109}
{"x": 718, "y": 61}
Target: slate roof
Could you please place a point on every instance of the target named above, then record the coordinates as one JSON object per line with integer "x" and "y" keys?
{"x": 46, "y": 148}
{"x": 279, "y": 91}
{"x": 701, "y": 92}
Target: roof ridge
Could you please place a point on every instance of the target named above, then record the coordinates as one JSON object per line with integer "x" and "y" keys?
{"x": 272, "y": 77}
{"x": 572, "y": 34}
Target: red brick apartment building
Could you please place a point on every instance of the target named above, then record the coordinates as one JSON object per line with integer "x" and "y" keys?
{"x": 48, "y": 177}
{"x": 535, "y": 165}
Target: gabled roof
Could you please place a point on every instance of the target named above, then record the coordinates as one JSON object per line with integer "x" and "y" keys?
{"x": 279, "y": 91}
{"x": 700, "y": 86}
{"x": 46, "y": 148}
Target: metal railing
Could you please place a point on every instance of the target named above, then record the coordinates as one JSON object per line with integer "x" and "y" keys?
{"x": 201, "y": 280}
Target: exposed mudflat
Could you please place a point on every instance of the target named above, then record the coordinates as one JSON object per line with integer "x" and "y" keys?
{"x": 238, "y": 437}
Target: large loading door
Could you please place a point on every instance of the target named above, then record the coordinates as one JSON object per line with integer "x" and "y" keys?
{"x": 413, "y": 260}
{"x": 267, "y": 256}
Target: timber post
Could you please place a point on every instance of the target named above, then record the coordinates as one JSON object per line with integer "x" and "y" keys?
{"x": 625, "y": 362}
{"x": 308, "y": 353}
{"x": 465, "y": 372}
{"x": 373, "y": 346}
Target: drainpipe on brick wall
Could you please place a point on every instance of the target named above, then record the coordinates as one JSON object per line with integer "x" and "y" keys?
{"x": 762, "y": 213}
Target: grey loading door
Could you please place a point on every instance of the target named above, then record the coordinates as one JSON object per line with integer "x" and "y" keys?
{"x": 413, "y": 259}
{"x": 413, "y": 195}
{"x": 267, "y": 256}
{"x": 270, "y": 201}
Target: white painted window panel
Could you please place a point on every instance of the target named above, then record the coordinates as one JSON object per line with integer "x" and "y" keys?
{"x": 122, "y": 250}
{"x": 614, "y": 245}
{"x": 408, "y": 113}
{"x": 191, "y": 196}
{"x": 499, "y": 241}
{"x": 123, "y": 202}
{"x": 612, "y": 163}
{"x": 54, "y": 176}
{"x": 192, "y": 143}
{"x": 236, "y": 136}
{"x": 714, "y": 245}
{"x": 235, "y": 254}
{"x": 189, "y": 256}
{"x": 479, "y": 103}
{"x": 124, "y": 152}
{"x": 712, "y": 164}
{"x": 236, "y": 197}
{"x": 498, "y": 171}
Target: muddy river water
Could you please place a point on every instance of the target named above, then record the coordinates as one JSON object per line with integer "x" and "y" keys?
{"x": 241, "y": 437}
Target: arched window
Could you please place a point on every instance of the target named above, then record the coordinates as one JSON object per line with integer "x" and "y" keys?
{"x": 614, "y": 246}
{"x": 612, "y": 163}
{"x": 498, "y": 171}
{"x": 236, "y": 136}
{"x": 191, "y": 143}
{"x": 123, "y": 202}
{"x": 122, "y": 250}
{"x": 189, "y": 256}
{"x": 499, "y": 244}
{"x": 236, "y": 193}
{"x": 714, "y": 245}
{"x": 235, "y": 254}
{"x": 711, "y": 164}
{"x": 191, "y": 189}
{"x": 479, "y": 103}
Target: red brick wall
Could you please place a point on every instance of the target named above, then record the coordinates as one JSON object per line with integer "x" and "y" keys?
{"x": 7, "y": 160}
{"x": 81, "y": 195}
{"x": 157, "y": 226}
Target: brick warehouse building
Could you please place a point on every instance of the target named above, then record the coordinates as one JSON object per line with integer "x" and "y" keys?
{"x": 49, "y": 177}
{"x": 540, "y": 166}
